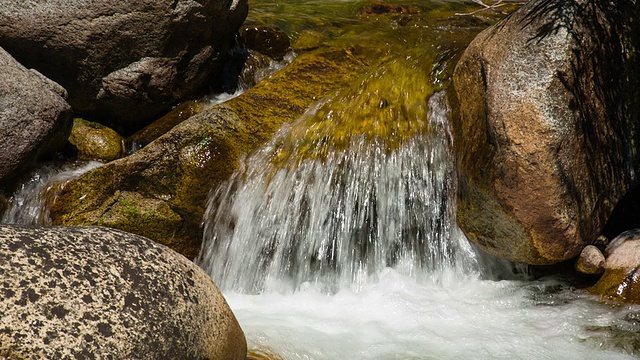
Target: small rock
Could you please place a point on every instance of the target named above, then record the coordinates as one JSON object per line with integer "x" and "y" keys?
{"x": 267, "y": 40}
{"x": 591, "y": 261}
{"x": 95, "y": 141}
{"x": 254, "y": 69}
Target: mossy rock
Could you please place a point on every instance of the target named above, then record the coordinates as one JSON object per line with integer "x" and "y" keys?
{"x": 95, "y": 141}
{"x": 170, "y": 179}
{"x": 178, "y": 114}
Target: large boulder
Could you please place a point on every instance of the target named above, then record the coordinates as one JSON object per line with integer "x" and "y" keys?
{"x": 161, "y": 191}
{"x": 543, "y": 128}
{"x": 100, "y": 293}
{"x": 621, "y": 278}
{"x": 35, "y": 119}
{"x": 123, "y": 62}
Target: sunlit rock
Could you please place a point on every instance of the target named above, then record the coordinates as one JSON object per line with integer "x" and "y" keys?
{"x": 123, "y": 62}
{"x": 95, "y": 141}
{"x": 101, "y": 293}
{"x": 35, "y": 119}
{"x": 176, "y": 172}
{"x": 591, "y": 261}
{"x": 621, "y": 279}
{"x": 544, "y": 128}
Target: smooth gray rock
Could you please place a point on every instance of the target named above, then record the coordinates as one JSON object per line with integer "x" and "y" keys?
{"x": 97, "y": 293}
{"x": 35, "y": 119}
{"x": 123, "y": 62}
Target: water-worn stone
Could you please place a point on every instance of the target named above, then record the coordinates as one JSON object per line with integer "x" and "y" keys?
{"x": 267, "y": 40}
{"x": 591, "y": 261}
{"x": 95, "y": 141}
{"x": 543, "y": 128}
{"x": 35, "y": 119}
{"x": 621, "y": 279}
{"x": 176, "y": 172}
{"x": 102, "y": 293}
{"x": 123, "y": 62}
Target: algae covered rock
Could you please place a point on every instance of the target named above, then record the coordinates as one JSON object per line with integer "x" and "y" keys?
{"x": 621, "y": 279}
{"x": 102, "y": 293}
{"x": 168, "y": 181}
{"x": 543, "y": 155}
{"x": 96, "y": 142}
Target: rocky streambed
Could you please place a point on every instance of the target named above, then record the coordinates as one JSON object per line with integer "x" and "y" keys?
{"x": 331, "y": 98}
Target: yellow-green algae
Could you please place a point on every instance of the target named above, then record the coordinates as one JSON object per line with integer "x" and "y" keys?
{"x": 372, "y": 75}
{"x": 95, "y": 141}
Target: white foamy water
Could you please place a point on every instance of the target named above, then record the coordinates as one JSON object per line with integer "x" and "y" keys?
{"x": 459, "y": 318}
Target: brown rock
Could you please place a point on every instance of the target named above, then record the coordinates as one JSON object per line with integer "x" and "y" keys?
{"x": 591, "y": 261}
{"x": 267, "y": 40}
{"x": 543, "y": 157}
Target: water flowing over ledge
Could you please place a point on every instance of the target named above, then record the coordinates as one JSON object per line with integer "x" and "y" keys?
{"x": 354, "y": 253}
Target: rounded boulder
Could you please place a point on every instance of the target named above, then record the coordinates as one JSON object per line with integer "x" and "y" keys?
{"x": 81, "y": 292}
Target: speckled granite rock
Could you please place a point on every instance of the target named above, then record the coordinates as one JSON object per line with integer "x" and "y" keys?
{"x": 100, "y": 293}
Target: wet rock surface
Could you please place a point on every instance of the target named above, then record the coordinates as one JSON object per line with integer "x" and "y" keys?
{"x": 35, "y": 119}
{"x": 621, "y": 279}
{"x": 267, "y": 40}
{"x": 124, "y": 63}
{"x": 543, "y": 144}
{"x": 106, "y": 294}
{"x": 94, "y": 141}
{"x": 176, "y": 172}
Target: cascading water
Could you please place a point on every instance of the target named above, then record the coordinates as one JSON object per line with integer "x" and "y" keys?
{"x": 337, "y": 221}
{"x": 337, "y": 240}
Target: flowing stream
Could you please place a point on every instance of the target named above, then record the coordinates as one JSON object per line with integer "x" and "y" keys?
{"x": 338, "y": 238}
{"x": 353, "y": 252}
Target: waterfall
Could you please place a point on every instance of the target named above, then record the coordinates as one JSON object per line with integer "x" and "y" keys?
{"x": 337, "y": 220}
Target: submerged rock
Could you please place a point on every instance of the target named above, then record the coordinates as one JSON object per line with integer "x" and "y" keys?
{"x": 124, "y": 63}
{"x": 543, "y": 129}
{"x": 95, "y": 141}
{"x": 35, "y": 119}
{"x": 621, "y": 279}
{"x": 267, "y": 40}
{"x": 168, "y": 181}
{"x": 101, "y": 293}
{"x": 591, "y": 261}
